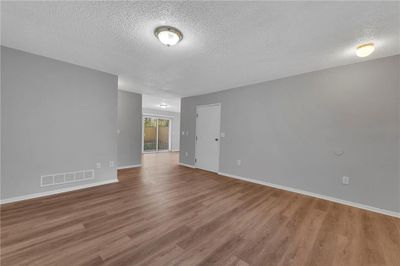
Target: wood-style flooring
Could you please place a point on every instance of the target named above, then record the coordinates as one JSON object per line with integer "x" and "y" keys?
{"x": 166, "y": 214}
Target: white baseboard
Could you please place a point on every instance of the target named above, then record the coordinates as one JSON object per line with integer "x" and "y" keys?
{"x": 56, "y": 191}
{"x": 340, "y": 201}
{"x": 129, "y": 166}
{"x": 175, "y": 150}
{"x": 187, "y": 165}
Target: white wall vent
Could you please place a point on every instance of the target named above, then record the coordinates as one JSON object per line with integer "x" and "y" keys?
{"x": 63, "y": 178}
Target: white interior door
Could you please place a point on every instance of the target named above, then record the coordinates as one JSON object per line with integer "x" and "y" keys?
{"x": 208, "y": 137}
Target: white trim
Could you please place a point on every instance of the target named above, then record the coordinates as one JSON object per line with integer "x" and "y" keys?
{"x": 316, "y": 195}
{"x": 57, "y": 191}
{"x": 187, "y": 165}
{"x": 129, "y": 166}
{"x": 208, "y": 105}
{"x": 175, "y": 150}
{"x": 156, "y": 115}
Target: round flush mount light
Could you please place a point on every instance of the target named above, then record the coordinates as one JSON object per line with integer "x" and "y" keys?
{"x": 168, "y": 35}
{"x": 163, "y": 105}
{"x": 364, "y": 50}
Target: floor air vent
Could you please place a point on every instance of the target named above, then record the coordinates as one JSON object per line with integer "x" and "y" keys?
{"x": 63, "y": 178}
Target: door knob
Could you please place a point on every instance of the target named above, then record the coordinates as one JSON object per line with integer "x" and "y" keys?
{"x": 216, "y": 139}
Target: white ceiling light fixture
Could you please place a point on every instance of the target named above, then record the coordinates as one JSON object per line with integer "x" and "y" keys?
{"x": 163, "y": 105}
{"x": 365, "y": 50}
{"x": 168, "y": 35}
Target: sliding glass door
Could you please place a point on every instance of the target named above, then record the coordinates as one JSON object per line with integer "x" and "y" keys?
{"x": 163, "y": 134}
{"x": 156, "y": 134}
{"x": 150, "y": 134}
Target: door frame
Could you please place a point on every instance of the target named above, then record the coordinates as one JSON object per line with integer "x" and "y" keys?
{"x": 219, "y": 133}
{"x": 154, "y": 116}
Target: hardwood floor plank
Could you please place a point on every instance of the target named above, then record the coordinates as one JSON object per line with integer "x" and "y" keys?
{"x": 129, "y": 257}
{"x": 167, "y": 214}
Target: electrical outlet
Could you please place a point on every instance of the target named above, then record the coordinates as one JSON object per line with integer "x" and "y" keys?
{"x": 98, "y": 165}
{"x": 183, "y": 133}
{"x": 239, "y": 162}
{"x": 111, "y": 164}
{"x": 222, "y": 134}
{"x": 345, "y": 180}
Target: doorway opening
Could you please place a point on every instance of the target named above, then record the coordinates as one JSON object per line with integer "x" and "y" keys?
{"x": 156, "y": 134}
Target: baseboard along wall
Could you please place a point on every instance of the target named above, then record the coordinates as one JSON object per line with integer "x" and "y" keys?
{"x": 315, "y": 195}
{"x": 56, "y": 191}
{"x": 129, "y": 166}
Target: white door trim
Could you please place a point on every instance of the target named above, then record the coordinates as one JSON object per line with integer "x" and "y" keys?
{"x": 155, "y": 115}
{"x": 219, "y": 136}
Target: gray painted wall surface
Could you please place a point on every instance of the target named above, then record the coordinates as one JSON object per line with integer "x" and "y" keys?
{"x": 286, "y": 131}
{"x": 176, "y": 125}
{"x": 55, "y": 117}
{"x": 130, "y": 128}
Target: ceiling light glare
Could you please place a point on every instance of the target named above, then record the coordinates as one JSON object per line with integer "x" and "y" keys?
{"x": 168, "y": 35}
{"x": 364, "y": 50}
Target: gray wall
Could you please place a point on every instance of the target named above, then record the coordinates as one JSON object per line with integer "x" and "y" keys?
{"x": 130, "y": 128}
{"x": 176, "y": 125}
{"x": 55, "y": 117}
{"x": 287, "y": 131}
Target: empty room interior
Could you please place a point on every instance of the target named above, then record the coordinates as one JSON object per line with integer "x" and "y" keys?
{"x": 200, "y": 133}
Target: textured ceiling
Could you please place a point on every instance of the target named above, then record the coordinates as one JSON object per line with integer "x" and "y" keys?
{"x": 225, "y": 45}
{"x": 153, "y": 102}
